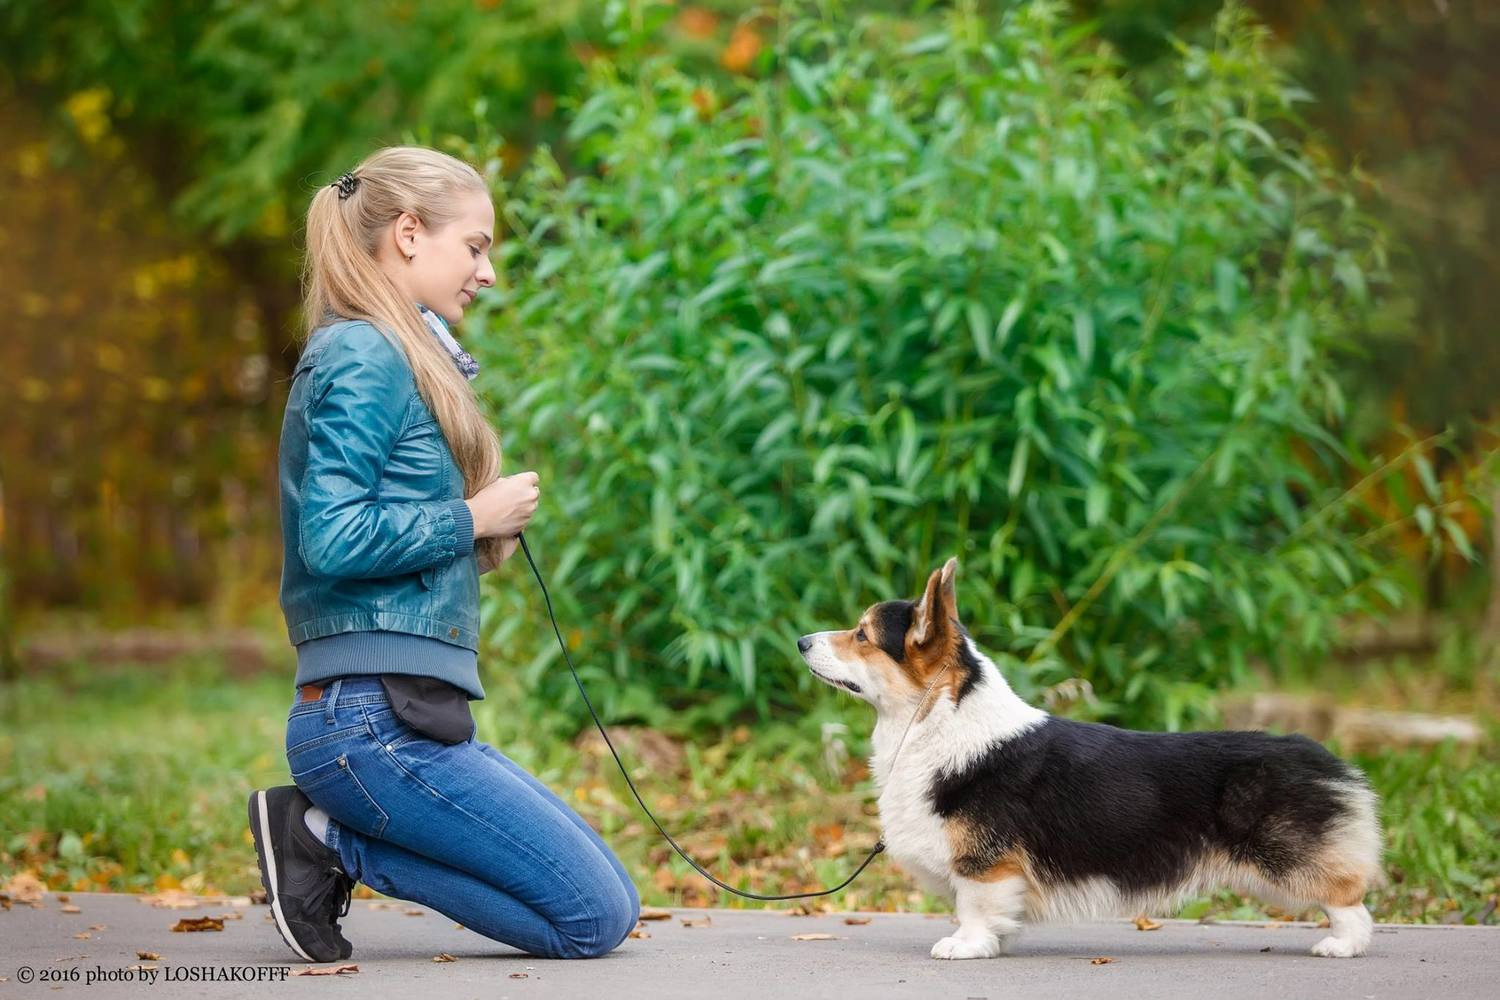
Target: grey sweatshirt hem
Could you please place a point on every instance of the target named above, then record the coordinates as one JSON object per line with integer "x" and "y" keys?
{"x": 385, "y": 652}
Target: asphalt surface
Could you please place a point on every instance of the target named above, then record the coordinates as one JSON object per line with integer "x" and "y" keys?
{"x": 725, "y": 954}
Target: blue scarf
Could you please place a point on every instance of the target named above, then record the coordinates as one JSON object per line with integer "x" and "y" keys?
{"x": 461, "y": 358}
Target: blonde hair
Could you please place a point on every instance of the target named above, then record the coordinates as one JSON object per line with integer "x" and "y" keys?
{"x": 341, "y": 277}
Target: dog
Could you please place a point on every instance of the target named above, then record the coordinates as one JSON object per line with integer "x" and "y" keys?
{"x": 1013, "y": 814}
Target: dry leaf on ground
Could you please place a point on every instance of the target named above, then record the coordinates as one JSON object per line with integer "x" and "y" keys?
{"x": 25, "y": 887}
{"x": 1145, "y": 923}
{"x": 172, "y": 899}
{"x": 697, "y": 921}
{"x": 198, "y": 924}
{"x": 1101, "y": 960}
{"x": 856, "y": 920}
{"x": 443, "y": 956}
{"x": 655, "y": 913}
{"x": 328, "y": 970}
{"x": 813, "y": 937}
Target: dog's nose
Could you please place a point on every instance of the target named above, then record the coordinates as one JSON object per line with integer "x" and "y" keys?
{"x": 804, "y": 644}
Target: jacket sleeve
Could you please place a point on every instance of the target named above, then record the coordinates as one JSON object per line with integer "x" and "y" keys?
{"x": 355, "y": 413}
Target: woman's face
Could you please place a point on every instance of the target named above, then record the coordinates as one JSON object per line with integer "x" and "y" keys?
{"x": 448, "y": 266}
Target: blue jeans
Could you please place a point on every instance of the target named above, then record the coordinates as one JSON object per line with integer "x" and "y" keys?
{"x": 460, "y": 828}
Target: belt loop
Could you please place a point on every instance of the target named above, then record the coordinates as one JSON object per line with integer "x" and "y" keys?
{"x": 331, "y": 698}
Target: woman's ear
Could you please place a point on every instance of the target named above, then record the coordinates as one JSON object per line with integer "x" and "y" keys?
{"x": 405, "y": 230}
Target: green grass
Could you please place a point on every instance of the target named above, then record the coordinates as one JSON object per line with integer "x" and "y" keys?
{"x": 134, "y": 779}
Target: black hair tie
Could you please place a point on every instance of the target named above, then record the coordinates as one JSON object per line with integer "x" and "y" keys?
{"x": 346, "y": 185}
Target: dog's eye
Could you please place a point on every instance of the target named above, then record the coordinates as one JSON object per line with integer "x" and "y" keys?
{"x": 860, "y": 635}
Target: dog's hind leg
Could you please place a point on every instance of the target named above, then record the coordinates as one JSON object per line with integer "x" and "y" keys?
{"x": 988, "y": 914}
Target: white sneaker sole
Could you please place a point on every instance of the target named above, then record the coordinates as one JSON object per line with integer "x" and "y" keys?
{"x": 263, "y": 828}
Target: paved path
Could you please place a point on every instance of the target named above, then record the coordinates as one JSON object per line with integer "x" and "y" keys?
{"x": 738, "y": 953}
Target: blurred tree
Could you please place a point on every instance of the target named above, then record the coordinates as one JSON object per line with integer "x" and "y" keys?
{"x": 235, "y": 112}
{"x": 1408, "y": 90}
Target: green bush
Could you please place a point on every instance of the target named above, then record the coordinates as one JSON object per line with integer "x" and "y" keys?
{"x": 781, "y": 350}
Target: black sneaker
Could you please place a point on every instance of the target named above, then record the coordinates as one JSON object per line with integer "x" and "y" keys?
{"x": 305, "y": 883}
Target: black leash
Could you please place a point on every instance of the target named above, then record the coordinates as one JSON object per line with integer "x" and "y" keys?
{"x": 879, "y": 845}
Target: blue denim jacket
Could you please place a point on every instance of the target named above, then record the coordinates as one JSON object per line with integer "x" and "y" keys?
{"x": 376, "y": 534}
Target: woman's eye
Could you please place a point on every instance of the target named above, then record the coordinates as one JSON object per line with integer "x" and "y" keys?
{"x": 860, "y": 635}
{"x": 474, "y": 250}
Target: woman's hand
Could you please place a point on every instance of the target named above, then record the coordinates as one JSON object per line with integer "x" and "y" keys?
{"x": 507, "y": 549}
{"x": 503, "y": 508}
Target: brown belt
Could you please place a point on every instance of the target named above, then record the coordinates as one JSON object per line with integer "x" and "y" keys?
{"x": 310, "y": 692}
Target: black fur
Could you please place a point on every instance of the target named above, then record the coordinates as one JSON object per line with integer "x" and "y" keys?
{"x": 892, "y": 622}
{"x": 1085, "y": 800}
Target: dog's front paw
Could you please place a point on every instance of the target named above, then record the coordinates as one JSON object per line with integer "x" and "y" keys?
{"x": 1336, "y": 947}
{"x": 963, "y": 945}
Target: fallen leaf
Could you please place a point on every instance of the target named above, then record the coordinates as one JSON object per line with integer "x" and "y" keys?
{"x": 83, "y": 935}
{"x": 655, "y": 913}
{"x": 697, "y": 921}
{"x": 259, "y": 897}
{"x": 97, "y": 927}
{"x": 149, "y": 956}
{"x": 520, "y": 975}
{"x": 1265, "y": 949}
{"x": 1101, "y": 960}
{"x": 70, "y": 908}
{"x": 415, "y": 913}
{"x": 384, "y": 905}
{"x": 24, "y": 887}
{"x": 443, "y": 956}
{"x": 173, "y": 899}
{"x": 856, "y": 920}
{"x": 63, "y": 897}
{"x": 1145, "y": 923}
{"x": 140, "y": 968}
{"x": 198, "y": 924}
{"x": 327, "y": 970}
{"x": 813, "y": 937}
{"x": 640, "y": 932}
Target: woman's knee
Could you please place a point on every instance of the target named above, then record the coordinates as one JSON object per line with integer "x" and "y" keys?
{"x": 613, "y": 916}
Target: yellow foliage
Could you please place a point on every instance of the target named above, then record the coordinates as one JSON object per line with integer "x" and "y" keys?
{"x": 89, "y": 111}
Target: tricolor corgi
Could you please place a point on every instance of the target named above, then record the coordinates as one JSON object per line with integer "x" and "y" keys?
{"x": 1012, "y": 814}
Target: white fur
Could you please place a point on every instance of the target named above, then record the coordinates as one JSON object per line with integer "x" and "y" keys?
{"x": 1351, "y": 927}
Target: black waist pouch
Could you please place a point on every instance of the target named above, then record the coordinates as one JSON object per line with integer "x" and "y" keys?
{"x": 432, "y": 707}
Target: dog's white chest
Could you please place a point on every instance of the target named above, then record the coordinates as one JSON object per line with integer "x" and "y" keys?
{"x": 914, "y": 834}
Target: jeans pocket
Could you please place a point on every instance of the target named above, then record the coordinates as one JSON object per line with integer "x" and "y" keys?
{"x": 334, "y": 786}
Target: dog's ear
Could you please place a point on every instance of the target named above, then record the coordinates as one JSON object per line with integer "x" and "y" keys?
{"x": 938, "y": 606}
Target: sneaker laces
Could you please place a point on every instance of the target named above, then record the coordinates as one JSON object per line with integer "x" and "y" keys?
{"x": 333, "y": 896}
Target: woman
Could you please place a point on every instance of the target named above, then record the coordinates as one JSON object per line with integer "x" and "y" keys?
{"x": 391, "y": 508}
